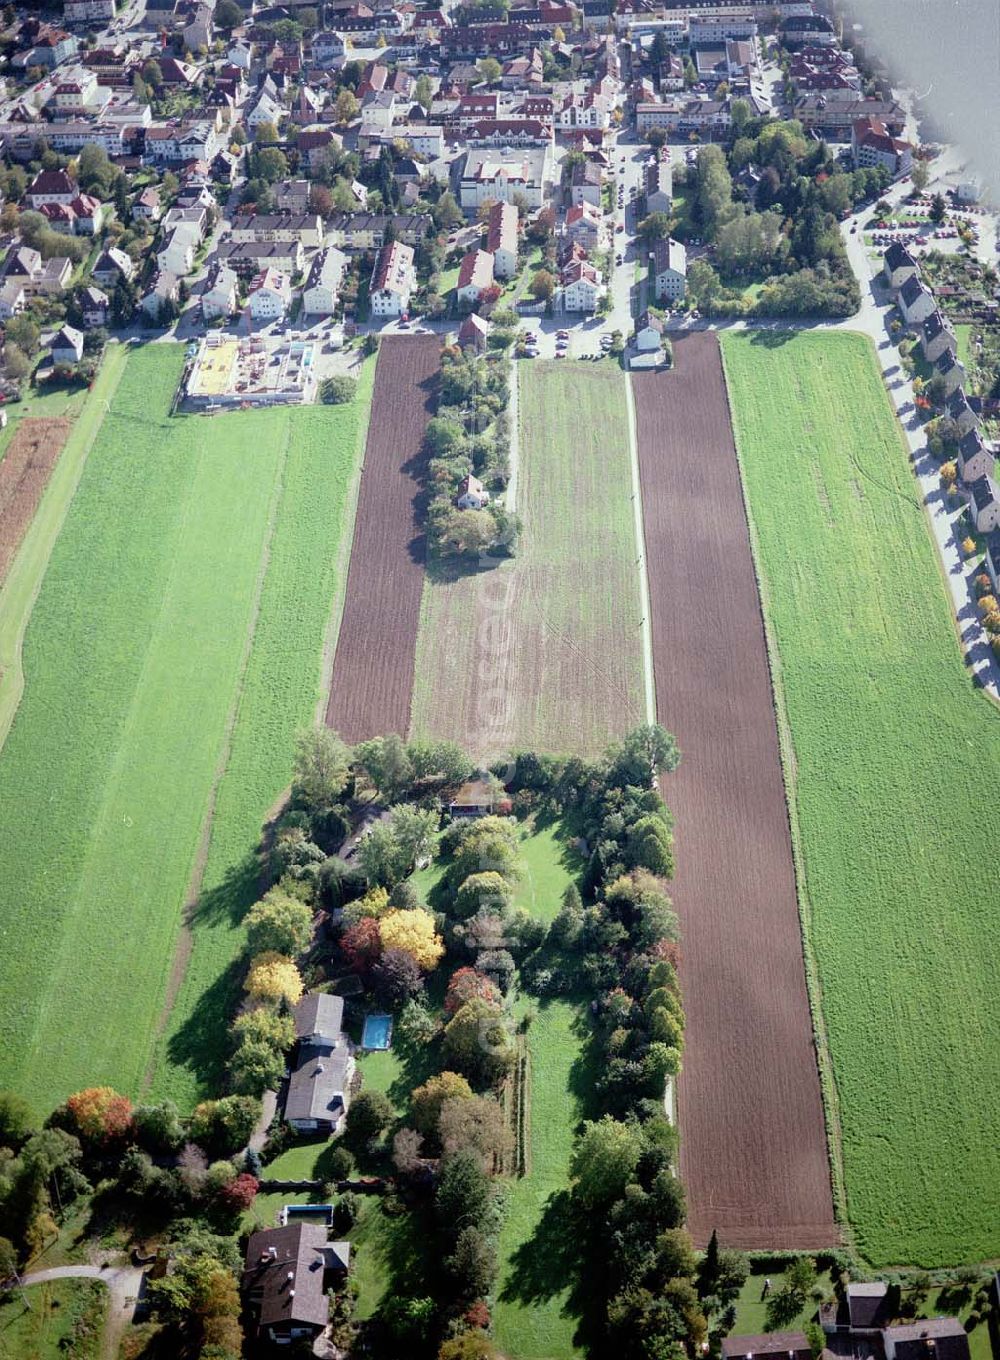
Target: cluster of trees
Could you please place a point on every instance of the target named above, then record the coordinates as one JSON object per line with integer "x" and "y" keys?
{"x": 148, "y": 1164}
{"x": 786, "y": 230}
{"x": 470, "y": 434}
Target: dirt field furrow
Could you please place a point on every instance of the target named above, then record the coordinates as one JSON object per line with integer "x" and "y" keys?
{"x": 753, "y": 1143}
{"x": 373, "y": 665}
{"x": 24, "y": 474}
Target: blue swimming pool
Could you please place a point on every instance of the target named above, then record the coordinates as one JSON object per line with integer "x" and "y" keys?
{"x": 377, "y": 1032}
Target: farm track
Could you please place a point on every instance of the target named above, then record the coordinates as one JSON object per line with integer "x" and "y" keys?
{"x": 753, "y": 1145}
{"x": 24, "y": 474}
{"x": 373, "y": 666}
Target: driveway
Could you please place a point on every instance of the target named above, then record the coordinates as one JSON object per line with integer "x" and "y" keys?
{"x": 125, "y": 1285}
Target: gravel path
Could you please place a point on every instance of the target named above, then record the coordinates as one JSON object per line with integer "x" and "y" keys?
{"x": 124, "y": 1287}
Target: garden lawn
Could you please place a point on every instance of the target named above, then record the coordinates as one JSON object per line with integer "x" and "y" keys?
{"x": 49, "y": 1321}
{"x": 542, "y": 651}
{"x": 535, "y": 1316}
{"x": 890, "y": 752}
{"x": 186, "y": 601}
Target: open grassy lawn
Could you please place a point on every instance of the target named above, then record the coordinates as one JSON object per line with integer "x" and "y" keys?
{"x": 751, "y": 1306}
{"x": 48, "y": 1321}
{"x": 890, "y": 756}
{"x": 543, "y": 651}
{"x": 174, "y": 648}
{"x": 536, "y": 1311}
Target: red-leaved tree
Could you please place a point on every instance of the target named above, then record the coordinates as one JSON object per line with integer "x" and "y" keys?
{"x": 465, "y": 984}
{"x": 361, "y": 944}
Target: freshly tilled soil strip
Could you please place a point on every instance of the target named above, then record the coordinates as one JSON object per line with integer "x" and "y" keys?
{"x": 753, "y": 1144}
{"x": 373, "y": 666}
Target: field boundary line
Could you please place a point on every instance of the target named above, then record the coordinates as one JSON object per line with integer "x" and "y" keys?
{"x": 343, "y": 558}
{"x": 184, "y": 943}
{"x": 23, "y": 581}
{"x": 789, "y": 769}
{"x": 646, "y": 626}
{"x": 514, "y": 440}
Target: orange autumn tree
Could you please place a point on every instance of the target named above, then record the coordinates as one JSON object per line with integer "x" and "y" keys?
{"x": 99, "y": 1114}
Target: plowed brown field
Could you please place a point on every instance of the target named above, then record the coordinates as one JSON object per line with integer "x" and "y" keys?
{"x": 24, "y": 474}
{"x": 373, "y": 665}
{"x": 753, "y": 1143}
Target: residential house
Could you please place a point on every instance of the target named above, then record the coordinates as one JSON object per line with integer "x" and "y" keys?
{"x": 319, "y": 1087}
{"x": 648, "y": 333}
{"x": 94, "y": 306}
{"x": 306, "y": 228}
{"x": 684, "y": 115}
{"x": 322, "y": 288}
{"x": 175, "y": 253}
{"x": 585, "y": 225}
{"x": 915, "y": 301}
{"x": 60, "y": 217}
{"x": 50, "y": 186}
{"x": 992, "y": 563}
{"x": 88, "y": 11}
{"x": 873, "y": 145}
{"x": 67, "y": 346}
{"x": 286, "y": 1277}
{"x": 501, "y": 173}
{"x": 670, "y": 270}
{"x": 474, "y": 333}
{"x": 312, "y": 144}
{"x": 270, "y": 297}
{"x": 936, "y": 337}
{"x": 472, "y": 495}
{"x": 582, "y": 287}
{"x": 88, "y": 215}
{"x": 250, "y": 257}
{"x": 366, "y": 231}
{"x": 863, "y": 1310}
{"x": 501, "y": 239}
{"x": 586, "y": 182}
{"x": 898, "y": 265}
{"x": 959, "y": 410}
{"x": 163, "y": 290}
{"x": 658, "y": 184}
{"x": 327, "y": 47}
{"x": 146, "y": 207}
{"x": 220, "y": 294}
{"x": 974, "y": 460}
{"x": 950, "y": 371}
{"x": 291, "y": 196}
{"x": 266, "y": 109}
{"x": 984, "y": 512}
{"x": 393, "y": 280}
{"x": 927, "y": 1339}
{"x": 771, "y": 1346}
{"x": 25, "y": 268}
{"x": 475, "y": 276}
{"x": 12, "y": 299}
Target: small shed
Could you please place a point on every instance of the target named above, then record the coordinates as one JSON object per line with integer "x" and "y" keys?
{"x": 476, "y": 798}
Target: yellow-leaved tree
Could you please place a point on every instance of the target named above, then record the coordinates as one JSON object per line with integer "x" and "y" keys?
{"x": 272, "y": 976}
{"x": 413, "y": 932}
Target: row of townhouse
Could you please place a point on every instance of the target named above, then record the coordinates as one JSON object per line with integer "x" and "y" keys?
{"x": 976, "y": 459}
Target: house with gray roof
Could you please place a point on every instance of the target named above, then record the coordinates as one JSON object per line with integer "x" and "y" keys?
{"x": 974, "y": 460}
{"x": 936, "y": 337}
{"x": 319, "y": 1088}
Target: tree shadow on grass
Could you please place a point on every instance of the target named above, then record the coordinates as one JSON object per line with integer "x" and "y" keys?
{"x": 772, "y": 339}
{"x": 200, "y": 1045}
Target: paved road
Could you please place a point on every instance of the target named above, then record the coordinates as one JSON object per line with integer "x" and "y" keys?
{"x": 124, "y": 1288}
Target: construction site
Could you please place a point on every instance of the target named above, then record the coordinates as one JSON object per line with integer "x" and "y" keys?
{"x": 226, "y": 371}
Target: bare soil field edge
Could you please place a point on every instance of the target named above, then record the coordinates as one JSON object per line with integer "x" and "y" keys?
{"x": 753, "y": 1139}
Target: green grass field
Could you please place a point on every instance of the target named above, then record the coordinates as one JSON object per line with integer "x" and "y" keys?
{"x": 178, "y": 637}
{"x": 536, "y": 1311}
{"x": 890, "y": 754}
{"x": 48, "y": 1321}
{"x": 543, "y": 651}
